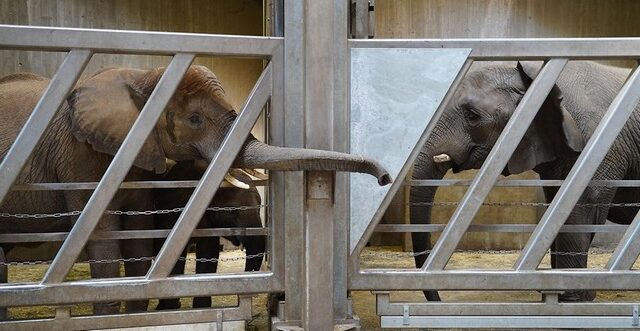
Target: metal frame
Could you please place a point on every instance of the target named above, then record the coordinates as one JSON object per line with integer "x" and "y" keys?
{"x": 81, "y": 44}
{"x": 524, "y": 276}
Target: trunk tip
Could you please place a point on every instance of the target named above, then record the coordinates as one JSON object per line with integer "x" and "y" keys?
{"x": 384, "y": 179}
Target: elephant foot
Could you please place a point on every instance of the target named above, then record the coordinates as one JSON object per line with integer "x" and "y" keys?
{"x": 202, "y": 302}
{"x": 432, "y": 295}
{"x": 136, "y": 306}
{"x": 3, "y": 314}
{"x": 577, "y": 296}
{"x": 164, "y": 304}
{"x": 106, "y": 308}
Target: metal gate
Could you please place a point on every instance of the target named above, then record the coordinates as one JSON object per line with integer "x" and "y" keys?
{"x": 307, "y": 69}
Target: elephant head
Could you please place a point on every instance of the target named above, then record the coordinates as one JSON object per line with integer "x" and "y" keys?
{"x": 470, "y": 126}
{"x": 193, "y": 125}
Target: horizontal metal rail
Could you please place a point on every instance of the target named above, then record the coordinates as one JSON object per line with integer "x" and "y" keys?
{"x": 520, "y": 182}
{"x": 125, "y": 185}
{"x": 156, "y": 318}
{"x": 499, "y": 228}
{"x": 486, "y": 280}
{"x": 134, "y": 42}
{"x": 138, "y": 288}
{"x": 130, "y": 234}
{"x": 521, "y": 48}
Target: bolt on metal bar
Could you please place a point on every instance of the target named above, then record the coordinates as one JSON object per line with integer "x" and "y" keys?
{"x": 118, "y": 169}
{"x": 493, "y": 165}
{"x": 628, "y": 248}
{"x": 208, "y": 185}
{"x": 581, "y": 174}
{"x": 409, "y": 163}
{"x": 48, "y": 105}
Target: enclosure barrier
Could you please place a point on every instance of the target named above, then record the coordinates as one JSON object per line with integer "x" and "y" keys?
{"x": 525, "y": 274}
{"x": 81, "y": 44}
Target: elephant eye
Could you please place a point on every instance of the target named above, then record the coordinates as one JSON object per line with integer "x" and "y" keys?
{"x": 195, "y": 120}
{"x": 471, "y": 115}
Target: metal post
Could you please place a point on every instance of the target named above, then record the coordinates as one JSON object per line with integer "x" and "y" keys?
{"x": 581, "y": 173}
{"x": 319, "y": 47}
{"x": 118, "y": 169}
{"x": 493, "y": 165}
{"x": 53, "y": 97}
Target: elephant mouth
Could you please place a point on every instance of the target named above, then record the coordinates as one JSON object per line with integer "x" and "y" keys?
{"x": 476, "y": 156}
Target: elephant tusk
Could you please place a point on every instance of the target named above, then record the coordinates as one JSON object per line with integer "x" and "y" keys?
{"x": 441, "y": 158}
{"x": 255, "y": 174}
{"x": 236, "y": 182}
{"x": 170, "y": 163}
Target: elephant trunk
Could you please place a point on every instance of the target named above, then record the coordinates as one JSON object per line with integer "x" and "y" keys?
{"x": 428, "y": 166}
{"x": 256, "y": 154}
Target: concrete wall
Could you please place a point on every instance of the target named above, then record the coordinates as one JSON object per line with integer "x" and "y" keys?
{"x": 238, "y": 76}
{"x": 498, "y": 19}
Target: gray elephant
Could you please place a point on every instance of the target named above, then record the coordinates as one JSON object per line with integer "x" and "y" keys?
{"x": 479, "y": 111}
{"x": 81, "y": 139}
{"x": 209, "y": 247}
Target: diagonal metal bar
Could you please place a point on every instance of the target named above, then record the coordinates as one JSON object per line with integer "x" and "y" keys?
{"x": 628, "y": 248}
{"x": 32, "y": 131}
{"x": 212, "y": 178}
{"x": 581, "y": 173}
{"x": 118, "y": 169}
{"x": 493, "y": 165}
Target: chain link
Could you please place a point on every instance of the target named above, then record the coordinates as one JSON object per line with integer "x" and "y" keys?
{"x": 127, "y": 212}
{"x": 141, "y": 259}
{"x": 428, "y": 251}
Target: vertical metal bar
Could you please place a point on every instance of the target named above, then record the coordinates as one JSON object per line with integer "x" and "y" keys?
{"x": 493, "y": 165}
{"x": 341, "y": 120}
{"x": 53, "y": 97}
{"x": 118, "y": 169}
{"x": 294, "y": 21}
{"x": 581, "y": 173}
{"x": 628, "y": 249}
{"x": 320, "y": 44}
{"x": 212, "y": 178}
{"x": 276, "y": 189}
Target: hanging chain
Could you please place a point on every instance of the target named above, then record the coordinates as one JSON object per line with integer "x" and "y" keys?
{"x": 141, "y": 259}
{"x": 127, "y": 212}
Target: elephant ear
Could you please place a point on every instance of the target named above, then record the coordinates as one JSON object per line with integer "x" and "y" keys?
{"x": 103, "y": 110}
{"x": 553, "y": 132}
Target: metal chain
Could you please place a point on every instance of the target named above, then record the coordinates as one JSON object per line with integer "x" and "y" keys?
{"x": 428, "y": 251}
{"x": 127, "y": 212}
{"x": 140, "y": 259}
{"x": 525, "y": 204}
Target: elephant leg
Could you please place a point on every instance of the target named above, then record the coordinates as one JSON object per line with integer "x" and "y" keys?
{"x": 570, "y": 250}
{"x": 134, "y": 249}
{"x": 4, "y": 278}
{"x": 100, "y": 249}
{"x": 253, "y": 246}
{"x": 178, "y": 269}
{"x": 208, "y": 248}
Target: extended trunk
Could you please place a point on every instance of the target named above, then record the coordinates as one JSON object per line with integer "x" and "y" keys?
{"x": 256, "y": 154}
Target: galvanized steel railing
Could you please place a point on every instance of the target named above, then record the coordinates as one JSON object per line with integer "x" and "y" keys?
{"x": 81, "y": 44}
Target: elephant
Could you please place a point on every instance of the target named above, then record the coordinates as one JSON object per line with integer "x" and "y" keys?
{"x": 87, "y": 131}
{"x": 480, "y": 109}
{"x": 209, "y": 247}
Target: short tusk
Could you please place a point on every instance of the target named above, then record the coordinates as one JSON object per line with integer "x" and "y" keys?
{"x": 256, "y": 174}
{"x": 441, "y": 158}
{"x": 235, "y": 182}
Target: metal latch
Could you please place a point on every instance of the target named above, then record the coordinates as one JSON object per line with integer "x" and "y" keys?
{"x": 405, "y": 315}
{"x": 636, "y": 317}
